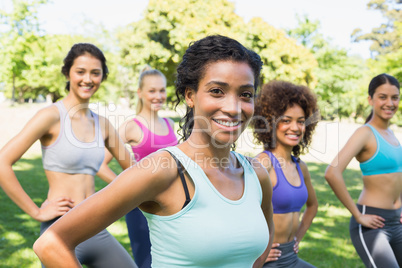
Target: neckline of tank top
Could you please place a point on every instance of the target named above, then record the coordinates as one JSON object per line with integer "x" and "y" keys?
{"x": 96, "y": 125}
{"x": 164, "y": 119}
{"x": 382, "y": 137}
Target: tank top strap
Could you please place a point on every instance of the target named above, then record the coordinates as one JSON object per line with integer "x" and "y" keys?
{"x": 168, "y": 125}
{"x": 141, "y": 125}
{"x": 298, "y": 170}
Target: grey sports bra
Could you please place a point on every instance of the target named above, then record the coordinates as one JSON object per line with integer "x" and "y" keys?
{"x": 70, "y": 155}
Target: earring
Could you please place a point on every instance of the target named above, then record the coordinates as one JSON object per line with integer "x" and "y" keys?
{"x": 190, "y": 106}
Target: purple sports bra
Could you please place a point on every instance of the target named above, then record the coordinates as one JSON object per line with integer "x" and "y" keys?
{"x": 151, "y": 142}
{"x": 286, "y": 197}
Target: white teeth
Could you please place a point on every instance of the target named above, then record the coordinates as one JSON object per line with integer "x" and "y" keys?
{"x": 292, "y": 136}
{"x": 227, "y": 124}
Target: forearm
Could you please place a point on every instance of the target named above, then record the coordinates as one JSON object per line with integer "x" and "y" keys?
{"x": 336, "y": 182}
{"x": 106, "y": 173}
{"x": 11, "y": 186}
{"x": 305, "y": 223}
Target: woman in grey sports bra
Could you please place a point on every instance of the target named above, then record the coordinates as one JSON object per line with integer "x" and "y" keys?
{"x": 73, "y": 139}
{"x": 376, "y": 222}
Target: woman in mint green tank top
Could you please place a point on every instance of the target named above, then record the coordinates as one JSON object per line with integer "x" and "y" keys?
{"x": 73, "y": 140}
{"x": 376, "y": 223}
{"x": 206, "y": 206}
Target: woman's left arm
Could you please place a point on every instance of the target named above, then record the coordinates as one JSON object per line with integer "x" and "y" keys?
{"x": 266, "y": 207}
{"x": 311, "y": 207}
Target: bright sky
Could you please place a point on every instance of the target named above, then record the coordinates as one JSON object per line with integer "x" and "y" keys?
{"x": 338, "y": 18}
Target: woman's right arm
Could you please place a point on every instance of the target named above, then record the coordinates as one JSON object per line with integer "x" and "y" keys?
{"x": 335, "y": 179}
{"x": 35, "y": 129}
{"x": 132, "y": 187}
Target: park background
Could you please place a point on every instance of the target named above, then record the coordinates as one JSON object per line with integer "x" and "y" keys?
{"x": 30, "y": 79}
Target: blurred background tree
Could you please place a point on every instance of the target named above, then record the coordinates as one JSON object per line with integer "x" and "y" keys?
{"x": 31, "y": 59}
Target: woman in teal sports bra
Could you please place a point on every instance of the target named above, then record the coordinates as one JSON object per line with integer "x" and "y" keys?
{"x": 73, "y": 140}
{"x": 211, "y": 207}
{"x": 376, "y": 223}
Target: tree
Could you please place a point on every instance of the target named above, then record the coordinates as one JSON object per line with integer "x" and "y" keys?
{"x": 169, "y": 26}
{"x": 339, "y": 75}
{"x": 21, "y": 30}
{"x": 283, "y": 58}
{"x": 385, "y": 37}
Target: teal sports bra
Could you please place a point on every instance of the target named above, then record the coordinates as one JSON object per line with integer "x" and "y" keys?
{"x": 386, "y": 159}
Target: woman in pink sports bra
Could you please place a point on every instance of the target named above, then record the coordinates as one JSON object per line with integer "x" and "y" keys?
{"x": 376, "y": 223}
{"x": 281, "y": 112}
{"x": 146, "y": 133}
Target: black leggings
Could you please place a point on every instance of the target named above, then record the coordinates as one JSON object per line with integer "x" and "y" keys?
{"x": 100, "y": 251}
{"x": 379, "y": 247}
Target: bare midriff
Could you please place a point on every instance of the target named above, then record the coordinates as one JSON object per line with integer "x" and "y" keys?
{"x": 285, "y": 226}
{"x": 382, "y": 191}
{"x": 75, "y": 186}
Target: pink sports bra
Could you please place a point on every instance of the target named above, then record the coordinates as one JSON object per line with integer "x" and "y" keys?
{"x": 151, "y": 142}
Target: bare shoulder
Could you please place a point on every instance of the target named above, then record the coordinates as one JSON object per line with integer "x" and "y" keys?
{"x": 303, "y": 166}
{"x": 49, "y": 113}
{"x": 130, "y": 131}
{"x": 161, "y": 166}
{"x": 363, "y": 132}
{"x": 359, "y": 139}
{"x": 259, "y": 169}
{"x": 265, "y": 161}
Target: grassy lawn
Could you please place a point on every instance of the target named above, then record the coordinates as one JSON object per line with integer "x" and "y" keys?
{"x": 327, "y": 243}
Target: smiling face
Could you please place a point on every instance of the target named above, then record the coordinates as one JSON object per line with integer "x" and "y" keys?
{"x": 153, "y": 92}
{"x": 385, "y": 101}
{"x": 291, "y": 127}
{"x": 223, "y": 104}
{"x": 85, "y": 76}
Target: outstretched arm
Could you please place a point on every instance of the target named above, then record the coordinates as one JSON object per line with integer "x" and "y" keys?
{"x": 132, "y": 187}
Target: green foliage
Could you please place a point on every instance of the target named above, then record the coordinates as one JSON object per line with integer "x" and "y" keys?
{"x": 339, "y": 75}
{"x": 384, "y": 38}
{"x": 21, "y": 29}
{"x": 283, "y": 58}
{"x": 18, "y": 231}
{"x": 326, "y": 244}
{"x": 168, "y": 27}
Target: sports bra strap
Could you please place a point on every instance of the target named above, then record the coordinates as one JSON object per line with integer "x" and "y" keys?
{"x": 183, "y": 180}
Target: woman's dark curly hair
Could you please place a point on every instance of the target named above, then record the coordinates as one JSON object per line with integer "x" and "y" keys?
{"x": 196, "y": 59}
{"x": 80, "y": 49}
{"x": 272, "y": 102}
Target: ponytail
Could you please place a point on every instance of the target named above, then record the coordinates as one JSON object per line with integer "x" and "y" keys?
{"x": 369, "y": 117}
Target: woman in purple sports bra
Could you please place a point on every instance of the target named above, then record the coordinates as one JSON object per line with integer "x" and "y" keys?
{"x": 146, "y": 133}
{"x": 282, "y": 111}
{"x": 376, "y": 223}
{"x": 73, "y": 140}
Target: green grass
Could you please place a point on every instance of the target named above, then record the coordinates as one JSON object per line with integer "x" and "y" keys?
{"x": 326, "y": 244}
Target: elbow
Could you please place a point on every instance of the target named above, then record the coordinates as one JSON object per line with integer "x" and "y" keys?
{"x": 329, "y": 174}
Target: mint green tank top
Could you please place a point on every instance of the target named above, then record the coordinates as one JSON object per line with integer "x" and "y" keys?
{"x": 212, "y": 230}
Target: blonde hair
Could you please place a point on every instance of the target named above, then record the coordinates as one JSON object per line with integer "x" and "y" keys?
{"x": 146, "y": 71}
